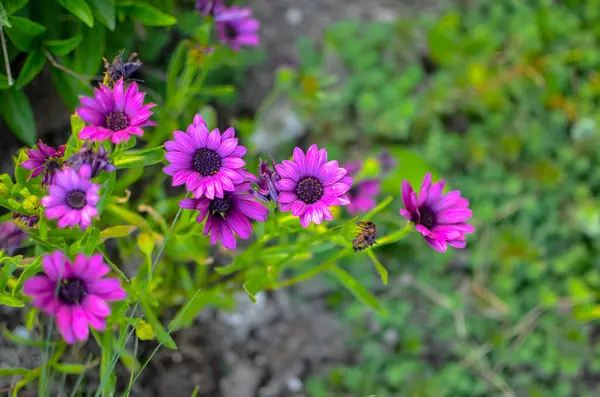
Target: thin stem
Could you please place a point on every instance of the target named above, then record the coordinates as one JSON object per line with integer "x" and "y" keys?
{"x": 6, "y": 62}
{"x": 65, "y": 69}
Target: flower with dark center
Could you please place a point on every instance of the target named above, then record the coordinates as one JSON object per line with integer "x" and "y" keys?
{"x": 228, "y": 215}
{"x": 76, "y": 293}
{"x": 266, "y": 189}
{"x": 439, "y": 218}
{"x": 236, "y": 27}
{"x": 72, "y": 198}
{"x": 363, "y": 194}
{"x": 209, "y": 164}
{"x": 310, "y": 184}
{"x": 46, "y": 160}
{"x": 11, "y": 237}
{"x": 98, "y": 160}
{"x": 114, "y": 114}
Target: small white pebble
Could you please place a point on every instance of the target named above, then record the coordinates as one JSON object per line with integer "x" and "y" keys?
{"x": 177, "y": 357}
{"x": 294, "y": 16}
{"x": 21, "y": 332}
{"x": 294, "y": 385}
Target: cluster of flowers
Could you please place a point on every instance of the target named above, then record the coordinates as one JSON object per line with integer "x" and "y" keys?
{"x": 235, "y": 25}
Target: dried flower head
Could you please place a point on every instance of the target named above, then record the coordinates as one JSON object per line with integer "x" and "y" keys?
{"x": 11, "y": 237}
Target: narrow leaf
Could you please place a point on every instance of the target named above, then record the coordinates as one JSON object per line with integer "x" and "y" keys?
{"x": 17, "y": 113}
{"x": 356, "y": 288}
{"x": 104, "y": 11}
{"x": 161, "y": 333}
{"x": 63, "y": 47}
{"x": 23, "y": 32}
{"x": 140, "y": 158}
{"x": 80, "y": 9}
{"x": 383, "y": 273}
{"x": 117, "y": 232}
{"x": 148, "y": 15}
{"x": 10, "y": 301}
{"x": 33, "y": 66}
{"x": 4, "y": 17}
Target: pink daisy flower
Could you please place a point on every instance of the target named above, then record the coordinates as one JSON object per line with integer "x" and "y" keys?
{"x": 45, "y": 159}
{"x": 72, "y": 198}
{"x": 114, "y": 114}
{"x": 209, "y": 164}
{"x": 439, "y": 218}
{"x": 228, "y": 215}
{"x": 362, "y": 195}
{"x": 75, "y": 292}
{"x": 310, "y": 185}
{"x": 236, "y": 27}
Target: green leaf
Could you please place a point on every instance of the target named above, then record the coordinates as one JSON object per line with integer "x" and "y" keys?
{"x": 4, "y": 82}
{"x": 144, "y": 331}
{"x": 128, "y": 216}
{"x": 104, "y": 10}
{"x": 383, "y": 273}
{"x": 80, "y": 9}
{"x": 145, "y": 243}
{"x": 10, "y": 301}
{"x": 140, "y": 158}
{"x": 148, "y": 15}
{"x": 30, "y": 377}
{"x": 87, "y": 57}
{"x": 176, "y": 64}
{"x": 8, "y": 267}
{"x": 23, "y": 32}
{"x": 107, "y": 375}
{"x": 14, "y": 371}
{"x": 70, "y": 368}
{"x": 23, "y": 341}
{"x": 29, "y": 272}
{"x": 17, "y": 113}
{"x": 161, "y": 333}
{"x": 63, "y": 47}
{"x": 117, "y": 232}
{"x": 4, "y": 17}
{"x": 356, "y": 288}
{"x": 33, "y": 66}
{"x": 218, "y": 91}
{"x": 12, "y": 6}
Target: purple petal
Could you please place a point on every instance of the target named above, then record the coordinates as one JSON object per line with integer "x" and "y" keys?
{"x": 214, "y": 139}
{"x": 453, "y": 215}
{"x": 232, "y": 163}
{"x": 438, "y": 245}
{"x": 227, "y": 147}
{"x": 298, "y": 208}
{"x": 287, "y": 197}
{"x": 407, "y": 192}
{"x": 53, "y": 265}
{"x": 299, "y": 158}
{"x": 38, "y": 285}
{"x": 435, "y": 192}
{"x": 64, "y": 323}
{"x": 240, "y": 225}
{"x": 288, "y": 185}
{"x": 95, "y": 305}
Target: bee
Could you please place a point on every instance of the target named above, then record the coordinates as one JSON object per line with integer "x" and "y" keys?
{"x": 119, "y": 69}
{"x": 366, "y": 237}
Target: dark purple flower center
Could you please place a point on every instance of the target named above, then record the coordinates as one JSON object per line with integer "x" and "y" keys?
{"x": 309, "y": 190}
{"x": 116, "y": 121}
{"x": 206, "y": 161}
{"x": 231, "y": 31}
{"x": 221, "y": 206}
{"x": 71, "y": 291}
{"x": 53, "y": 164}
{"x": 427, "y": 218}
{"x": 76, "y": 199}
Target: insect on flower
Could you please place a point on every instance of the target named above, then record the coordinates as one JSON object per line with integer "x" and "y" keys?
{"x": 119, "y": 69}
{"x": 366, "y": 237}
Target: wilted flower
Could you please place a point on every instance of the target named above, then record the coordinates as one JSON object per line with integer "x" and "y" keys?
{"x": 228, "y": 215}
{"x": 26, "y": 220}
{"x": 75, "y": 292}
{"x": 11, "y": 237}
{"x": 209, "y": 7}
{"x": 73, "y": 198}
{"x": 310, "y": 185}
{"x": 236, "y": 27}
{"x": 439, "y": 218}
{"x": 46, "y": 160}
{"x": 265, "y": 182}
{"x": 208, "y": 163}
{"x": 387, "y": 162}
{"x": 114, "y": 114}
{"x": 362, "y": 195}
{"x": 97, "y": 160}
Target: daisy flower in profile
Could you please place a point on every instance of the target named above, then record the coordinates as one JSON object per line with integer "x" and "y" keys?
{"x": 310, "y": 185}
{"x": 98, "y": 160}
{"x": 362, "y": 195}
{"x": 439, "y": 218}
{"x": 209, "y": 164}
{"x": 72, "y": 198}
{"x": 236, "y": 27}
{"x": 11, "y": 237}
{"x": 114, "y": 114}
{"x": 45, "y": 159}
{"x": 75, "y": 292}
{"x": 265, "y": 182}
{"x": 228, "y": 215}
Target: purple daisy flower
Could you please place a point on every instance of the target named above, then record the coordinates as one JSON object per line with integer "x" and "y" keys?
{"x": 265, "y": 182}
{"x": 310, "y": 185}
{"x": 228, "y": 215}
{"x": 73, "y": 198}
{"x": 209, "y": 164}
{"x": 114, "y": 114}
{"x": 362, "y": 195}
{"x": 11, "y": 237}
{"x": 75, "y": 292}
{"x": 439, "y": 218}
{"x": 97, "y": 160}
{"x": 46, "y": 160}
{"x": 209, "y": 7}
{"x": 236, "y": 27}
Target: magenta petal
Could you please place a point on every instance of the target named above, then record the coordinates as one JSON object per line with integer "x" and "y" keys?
{"x": 227, "y": 238}
{"x": 38, "y": 285}
{"x": 214, "y": 139}
{"x": 102, "y": 286}
{"x": 98, "y": 323}
{"x": 287, "y": 197}
{"x": 64, "y": 323}
{"x": 299, "y": 158}
{"x": 240, "y": 225}
{"x": 305, "y": 219}
{"x": 80, "y": 323}
{"x": 438, "y": 245}
{"x": 446, "y": 201}
{"x": 453, "y": 215}
{"x": 298, "y": 208}
{"x": 406, "y": 214}
{"x": 407, "y": 192}
{"x": 95, "y": 305}
{"x": 53, "y": 265}
{"x": 286, "y": 185}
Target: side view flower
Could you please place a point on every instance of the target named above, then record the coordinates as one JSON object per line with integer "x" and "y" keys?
{"x": 310, "y": 185}
{"x": 228, "y": 215}
{"x": 97, "y": 160}
{"x": 73, "y": 198}
{"x": 208, "y": 7}
{"x": 114, "y": 114}
{"x": 439, "y": 218}
{"x": 236, "y": 27}
{"x": 75, "y": 292}
{"x": 209, "y": 164}
{"x": 265, "y": 182}
{"x": 45, "y": 159}
{"x": 363, "y": 194}
{"x": 11, "y": 237}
